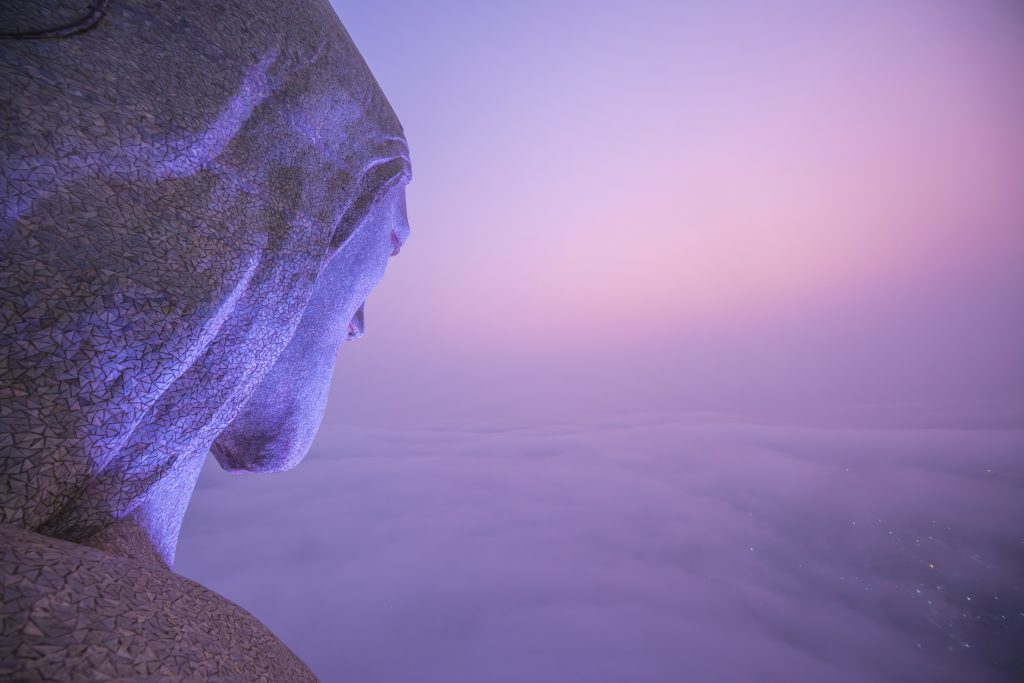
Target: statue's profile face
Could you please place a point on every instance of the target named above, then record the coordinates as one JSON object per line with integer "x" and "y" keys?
{"x": 190, "y": 227}
{"x": 279, "y": 422}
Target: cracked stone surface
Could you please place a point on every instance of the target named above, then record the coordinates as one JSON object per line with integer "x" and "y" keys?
{"x": 195, "y": 201}
{"x": 70, "y": 611}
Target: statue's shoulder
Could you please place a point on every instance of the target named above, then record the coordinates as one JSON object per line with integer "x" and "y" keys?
{"x": 69, "y": 612}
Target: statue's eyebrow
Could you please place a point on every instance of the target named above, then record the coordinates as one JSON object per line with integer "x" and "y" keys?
{"x": 377, "y": 179}
{"x": 399, "y": 150}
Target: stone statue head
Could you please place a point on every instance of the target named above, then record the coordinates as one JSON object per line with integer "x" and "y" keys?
{"x": 197, "y": 198}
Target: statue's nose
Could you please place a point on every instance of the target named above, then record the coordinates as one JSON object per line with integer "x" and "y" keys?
{"x": 356, "y": 325}
{"x": 400, "y": 231}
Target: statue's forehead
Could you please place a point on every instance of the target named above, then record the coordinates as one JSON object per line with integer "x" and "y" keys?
{"x": 339, "y": 109}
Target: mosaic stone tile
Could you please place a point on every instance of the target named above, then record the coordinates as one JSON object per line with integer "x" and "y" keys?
{"x": 176, "y": 181}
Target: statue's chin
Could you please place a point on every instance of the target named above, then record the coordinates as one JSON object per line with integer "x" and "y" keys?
{"x": 277, "y": 426}
{"x": 260, "y": 452}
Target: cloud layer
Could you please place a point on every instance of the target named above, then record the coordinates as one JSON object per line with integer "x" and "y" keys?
{"x": 648, "y": 549}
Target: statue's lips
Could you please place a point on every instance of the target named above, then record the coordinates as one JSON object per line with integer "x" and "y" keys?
{"x": 356, "y": 325}
{"x": 396, "y": 243}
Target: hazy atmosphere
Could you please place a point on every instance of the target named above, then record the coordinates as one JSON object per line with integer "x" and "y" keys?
{"x": 702, "y": 362}
{"x": 740, "y": 205}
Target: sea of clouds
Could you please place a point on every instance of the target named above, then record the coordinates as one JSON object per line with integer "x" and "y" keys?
{"x": 642, "y": 549}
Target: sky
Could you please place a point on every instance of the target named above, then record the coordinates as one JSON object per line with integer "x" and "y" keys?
{"x": 702, "y": 362}
{"x": 728, "y": 206}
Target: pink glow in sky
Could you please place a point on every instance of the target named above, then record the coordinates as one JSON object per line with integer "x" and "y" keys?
{"x": 697, "y": 205}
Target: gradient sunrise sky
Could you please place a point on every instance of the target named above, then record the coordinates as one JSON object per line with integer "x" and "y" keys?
{"x": 728, "y": 206}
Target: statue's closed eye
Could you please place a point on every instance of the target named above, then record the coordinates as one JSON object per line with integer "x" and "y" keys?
{"x": 374, "y": 183}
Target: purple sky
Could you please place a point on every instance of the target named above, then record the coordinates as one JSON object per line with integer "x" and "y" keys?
{"x": 715, "y": 205}
{"x": 705, "y": 347}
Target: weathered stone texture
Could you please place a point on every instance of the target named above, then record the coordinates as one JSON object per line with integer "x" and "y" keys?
{"x": 191, "y": 195}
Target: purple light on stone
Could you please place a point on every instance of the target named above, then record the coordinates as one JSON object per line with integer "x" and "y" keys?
{"x": 190, "y": 230}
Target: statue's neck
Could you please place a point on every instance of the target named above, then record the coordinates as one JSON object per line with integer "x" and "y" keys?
{"x": 150, "y": 532}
